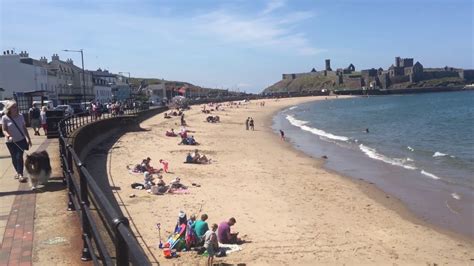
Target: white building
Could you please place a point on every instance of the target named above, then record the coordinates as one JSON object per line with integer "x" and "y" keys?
{"x": 19, "y": 73}
{"x": 156, "y": 92}
{"x": 69, "y": 84}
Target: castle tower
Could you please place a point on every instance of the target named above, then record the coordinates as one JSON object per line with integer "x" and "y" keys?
{"x": 328, "y": 65}
{"x": 398, "y": 61}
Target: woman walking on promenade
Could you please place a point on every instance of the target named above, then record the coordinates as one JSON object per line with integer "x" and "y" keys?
{"x": 16, "y": 137}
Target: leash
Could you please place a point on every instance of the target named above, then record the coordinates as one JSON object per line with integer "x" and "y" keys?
{"x": 27, "y": 154}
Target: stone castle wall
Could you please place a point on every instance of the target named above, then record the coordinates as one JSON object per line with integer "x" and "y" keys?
{"x": 399, "y": 79}
{"x": 439, "y": 74}
{"x": 467, "y": 74}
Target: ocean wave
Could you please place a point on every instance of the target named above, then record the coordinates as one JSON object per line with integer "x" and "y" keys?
{"x": 302, "y": 124}
{"x": 455, "y": 196}
{"x": 293, "y": 107}
{"x": 409, "y": 159}
{"x": 372, "y": 153}
{"x": 440, "y": 154}
{"x": 410, "y": 148}
{"x": 428, "y": 174}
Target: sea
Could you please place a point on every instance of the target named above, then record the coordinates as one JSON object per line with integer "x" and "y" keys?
{"x": 418, "y": 148}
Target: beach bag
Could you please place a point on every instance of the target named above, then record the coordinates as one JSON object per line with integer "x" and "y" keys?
{"x": 23, "y": 144}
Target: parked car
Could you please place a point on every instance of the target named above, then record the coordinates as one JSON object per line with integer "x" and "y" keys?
{"x": 68, "y": 110}
{"x": 78, "y": 109}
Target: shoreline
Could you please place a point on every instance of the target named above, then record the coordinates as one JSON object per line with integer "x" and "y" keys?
{"x": 274, "y": 191}
{"x": 371, "y": 187}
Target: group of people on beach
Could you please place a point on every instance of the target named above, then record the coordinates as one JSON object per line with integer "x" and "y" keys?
{"x": 200, "y": 237}
{"x": 197, "y": 158}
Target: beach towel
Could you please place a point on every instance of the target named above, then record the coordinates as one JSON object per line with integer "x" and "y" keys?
{"x": 179, "y": 191}
{"x": 230, "y": 248}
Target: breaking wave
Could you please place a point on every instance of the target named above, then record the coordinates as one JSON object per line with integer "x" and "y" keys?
{"x": 428, "y": 174}
{"x": 302, "y": 124}
{"x": 455, "y": 196}
{"x": 372, "y": 153}
{"x": 440, "y": 154}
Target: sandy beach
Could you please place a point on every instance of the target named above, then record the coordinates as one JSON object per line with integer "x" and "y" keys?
{"x": 287, "y": 206}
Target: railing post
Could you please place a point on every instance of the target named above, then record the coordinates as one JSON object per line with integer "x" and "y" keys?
{"x": 86, "y": 254}
{"x": 84, "y": 205}
{"x": 70, "y": 172}
{"x": 121, "y": 250}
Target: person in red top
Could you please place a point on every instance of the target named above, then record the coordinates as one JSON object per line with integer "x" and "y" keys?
{"x": 224, "y": 235}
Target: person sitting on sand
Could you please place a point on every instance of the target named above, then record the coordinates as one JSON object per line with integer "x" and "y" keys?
{"x": 191, "y": 239}
{"x": 167, "y": 115}
{"x": 148, "y": 180}
{"x": 200, "y": 159}
{"x": 183, "y": 134}
{"x": 224, "y": 235}
{"x": 171, "y": 133}
{"x": 182, "y": 219}
{"x": 200, "y": 228}
{"x": 160, "y": 188}
{"x": 176, "y": 184}
{"x": 145, "y": 165}
{"x": 189, "y": 158}
{"x": 192, "y": 141}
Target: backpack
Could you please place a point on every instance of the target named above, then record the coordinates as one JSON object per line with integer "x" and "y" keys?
{"x": 35, "y": 113}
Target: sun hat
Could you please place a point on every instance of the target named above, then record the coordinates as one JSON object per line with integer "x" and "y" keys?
{"x": 181, "y": 214}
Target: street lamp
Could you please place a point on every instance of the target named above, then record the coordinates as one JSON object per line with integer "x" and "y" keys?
{"x": 121, "y": 72}
{"x": 83, "y": 72}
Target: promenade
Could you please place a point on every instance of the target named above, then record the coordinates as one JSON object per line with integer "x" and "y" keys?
{"x": 35, "y": 227}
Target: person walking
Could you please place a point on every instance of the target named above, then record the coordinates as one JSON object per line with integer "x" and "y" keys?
{"x": 282, "y": 134}
{"x": 34, "y": 115}
{"x": 44, "y": 125}
{"x": 16, "y": 137}
{"x": 247, "y": 123}
{"x": 251, "y": 124}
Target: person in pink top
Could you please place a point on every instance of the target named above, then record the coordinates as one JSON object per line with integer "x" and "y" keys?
{"x": 165, "y": 165}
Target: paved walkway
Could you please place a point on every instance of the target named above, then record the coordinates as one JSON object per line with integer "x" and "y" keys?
{"x": 19, "y": 223}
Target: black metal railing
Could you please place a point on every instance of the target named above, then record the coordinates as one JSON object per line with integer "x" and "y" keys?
{"x": 107, "y": 237}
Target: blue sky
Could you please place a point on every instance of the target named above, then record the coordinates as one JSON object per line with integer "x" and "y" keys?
{"x": 244, "y": 45}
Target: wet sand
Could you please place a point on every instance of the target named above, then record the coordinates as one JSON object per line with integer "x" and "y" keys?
{"x": 288, "y": 207}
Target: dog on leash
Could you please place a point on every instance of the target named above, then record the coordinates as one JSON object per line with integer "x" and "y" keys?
{"x": 38, "y": 166}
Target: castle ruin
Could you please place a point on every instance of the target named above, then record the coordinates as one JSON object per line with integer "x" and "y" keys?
{"x": 403, "y": 71}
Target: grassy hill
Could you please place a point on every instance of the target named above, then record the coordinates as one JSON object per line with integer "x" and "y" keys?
{"x": 313, "y": 83}
{"x": 302, "y": 84}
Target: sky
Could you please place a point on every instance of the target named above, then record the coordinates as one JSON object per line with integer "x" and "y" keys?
{"x": 239, "y": 45}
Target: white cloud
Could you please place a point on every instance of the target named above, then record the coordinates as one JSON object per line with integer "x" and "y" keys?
{"x": 260, "y": 31}
{"x": 272, "y": 5}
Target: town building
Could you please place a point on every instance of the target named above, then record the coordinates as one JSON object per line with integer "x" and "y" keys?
{"x": 69, "y": 84}
{"x": 19, "y": 73}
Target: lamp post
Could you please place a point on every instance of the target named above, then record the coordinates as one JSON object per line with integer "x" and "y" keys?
{"x": 83, "y": 72}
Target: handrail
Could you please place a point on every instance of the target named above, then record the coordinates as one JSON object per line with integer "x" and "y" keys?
{"x": 82, "y": 188}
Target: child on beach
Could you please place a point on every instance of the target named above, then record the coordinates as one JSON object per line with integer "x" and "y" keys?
{"x": 165, "y": 165}
{"x": 211, "y": 244}
{"x": 282, "y": 134}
